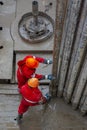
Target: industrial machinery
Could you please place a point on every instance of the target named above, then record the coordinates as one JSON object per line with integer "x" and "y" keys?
{"x": 35, "y": 26}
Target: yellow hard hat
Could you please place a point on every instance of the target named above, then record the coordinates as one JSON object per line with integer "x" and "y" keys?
{"x": 32, "y": 63}
{"x": 33, "y": 82}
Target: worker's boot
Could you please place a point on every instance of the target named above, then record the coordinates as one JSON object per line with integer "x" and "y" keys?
{"x": 19, "y": 118}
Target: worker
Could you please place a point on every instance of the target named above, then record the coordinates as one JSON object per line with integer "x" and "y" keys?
{"x": 27, "y": 67}
{"x": 31, "y": 96}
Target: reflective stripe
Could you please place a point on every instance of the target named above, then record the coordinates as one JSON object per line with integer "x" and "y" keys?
{"x": 34, "y": 57}
{"x": 33, "y": 75}
{"x": 20, "y": 70}
{"x": 30, "y": 101}
{"x": 48, "y": 61}
{"x": 46, "y": 76}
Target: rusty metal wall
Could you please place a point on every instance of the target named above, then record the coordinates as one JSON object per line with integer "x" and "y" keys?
{"x": 72, "y": 59}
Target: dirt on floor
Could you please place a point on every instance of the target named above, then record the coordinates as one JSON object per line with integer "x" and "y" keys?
{"x": 55, "y": 115}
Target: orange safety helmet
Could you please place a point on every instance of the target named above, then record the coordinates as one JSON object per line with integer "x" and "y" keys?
{"x": 32, "y": 63}
{"x": 33, "y": 82}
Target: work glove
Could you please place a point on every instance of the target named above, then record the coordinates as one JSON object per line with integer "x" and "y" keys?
{"x": 48, "y": 61}
{"x": 50, "y": 77}
{"x": 48, "y": 96}
{"x": 19, "y": 119}
{"x": 42, "y": 101}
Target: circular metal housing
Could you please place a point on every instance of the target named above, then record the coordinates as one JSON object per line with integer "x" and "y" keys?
{"x": 35, "y": 29}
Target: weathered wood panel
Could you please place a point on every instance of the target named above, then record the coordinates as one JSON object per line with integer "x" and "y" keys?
{"x": 76, "y": 44}
{"x": 78, "y": 61}
{"x": 80, "y": 85}
{"x": 72, "y": 22}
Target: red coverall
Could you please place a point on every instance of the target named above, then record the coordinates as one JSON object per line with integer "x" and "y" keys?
{"x": 24, "y": 72}
{"x": 30, "y": 97}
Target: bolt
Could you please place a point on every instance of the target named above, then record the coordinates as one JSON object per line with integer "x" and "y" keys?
{"x": 1, "y": 28}
{"x": 1, "y": 47}
{"x": 50, "y": 3}
{"x": 1, "y": 3}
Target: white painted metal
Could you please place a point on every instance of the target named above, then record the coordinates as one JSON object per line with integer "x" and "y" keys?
{"x": 26, "y": 6}
{"x": 21, "y": 45}
{"x": 8, "y": 7}
{"x": 6, "y": 54}
{"x": 7, "y": 12}
{"x": 8, "y": 89}
{"x": 7, "y": 15}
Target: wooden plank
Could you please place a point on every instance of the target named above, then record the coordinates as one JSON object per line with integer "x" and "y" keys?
{"x": 60, "y": 15}
{"x": 78, "y": 61}
{"x": 76, "y": 44}
{"x": 80, "y": 85}
{"x": 75, "y": 8}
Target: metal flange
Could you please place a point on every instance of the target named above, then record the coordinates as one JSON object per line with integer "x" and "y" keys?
{"x": 34, "y": 32}
{"x": 35, "y": 26}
